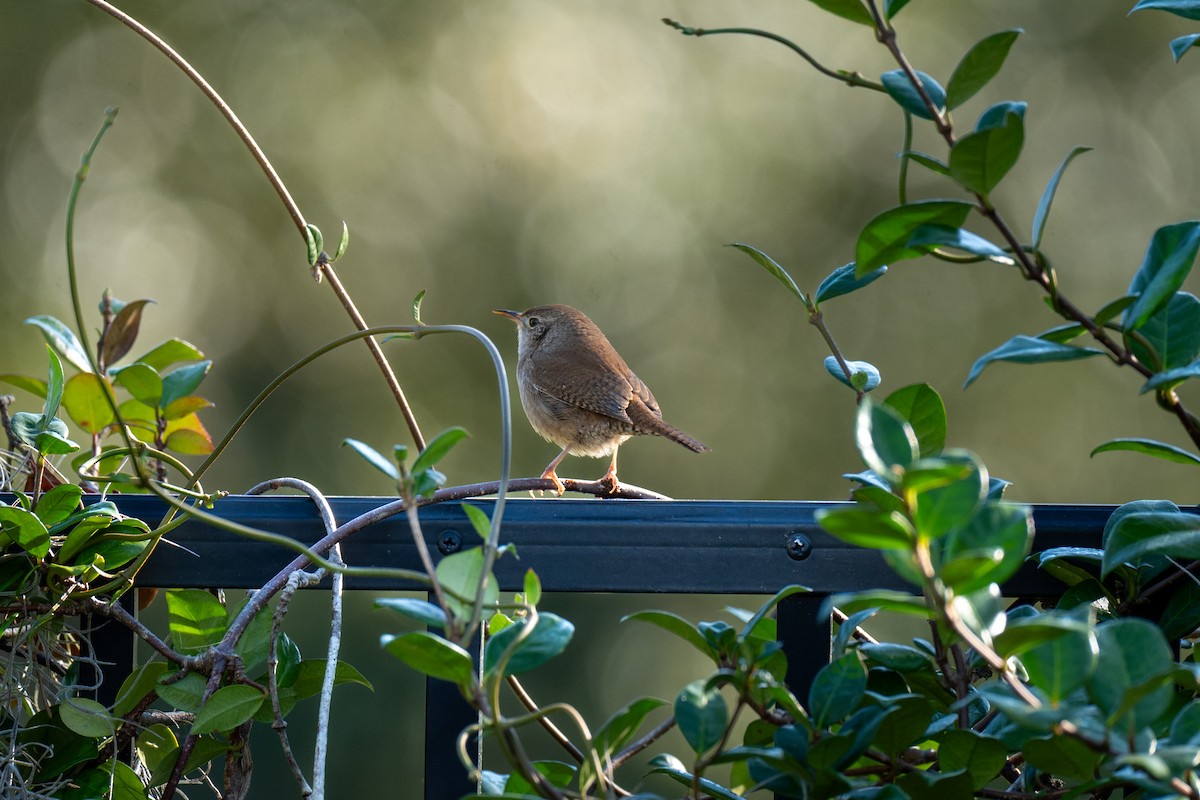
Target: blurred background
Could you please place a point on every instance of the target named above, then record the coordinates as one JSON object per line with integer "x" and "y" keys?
{"x": 525, "y": 152}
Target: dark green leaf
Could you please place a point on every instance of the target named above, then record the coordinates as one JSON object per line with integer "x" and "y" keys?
{"x": 1188, "y": 9}
{"x": 874, "y": 529}
{"x": 63, "y": 340}
{"x": 897, "y": 84}
{"x": 997, "y": 539}
{"x": 863, "y": 376}
{"x": 288, "y": 667}
{"x": 981, "y": 756}
{"x": 1135, "y": 537}
{"x": 896, "y": 657}
{"x": 86, "y": 717}
{"x": 437, "y": 449}
{"x": 959, "y": 239}
{"x": 184, "y": 693}
{"x": 892, "y": 7}
{"x": 142, "y": 381}
{"x": 701, "y": 714}
{"x": 1171, "y": 378}
{"x": 1132, "y": 652}
{"x": 1171, "y": 337}
{"x": 432, "y": 655}
{"x": 26, "y": 530}
{"x": 1181, "y": 617}
{"x": 996, "y": 114}
{"x": 414, "y": 608}
{"x": 1167, "y": 263}
{"x": 852, "y": 10}
{"x": 1150, "y": 447}
{"x": 977, "y": 68}
{"x": 1028, "y": 350}
{"x": 1043, "y": 207}
{"x": 836, "y": 690}
{"x": 312, "y": 675}
{"x": 924, "y": 410}
{"x": 885, "y": 441}
{"x": 940, "y": 508}
{"x": 549, "y": 637}
{"x": 557, "y": 773}
{"x": 623, "y": 725}
{"x": 772, "y": 267}
{"x": 54, "y": 390}
{"x": 844, "y": 281}
{"x": 1064, "y": 756}
{"x": 372, "y": 457}
{"x": 59, "y": 503}
{"x": 121, "y": 334}
{"x": 979, "y": 160}
{"x": 881, "y": 600}
{"x": 1062, "y": 664}
{"x": 672, "y": 767}
{"x": 885, "y": 239}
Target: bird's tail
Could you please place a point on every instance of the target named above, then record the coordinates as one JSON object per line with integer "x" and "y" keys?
{"x": 676, "y": 435}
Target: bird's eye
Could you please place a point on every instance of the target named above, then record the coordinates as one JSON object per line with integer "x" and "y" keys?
{"x": 533, "y": 322}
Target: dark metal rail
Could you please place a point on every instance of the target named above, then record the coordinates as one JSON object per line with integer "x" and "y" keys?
{"x": 679, "y": 547}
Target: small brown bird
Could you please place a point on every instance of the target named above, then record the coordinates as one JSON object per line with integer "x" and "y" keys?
{"x": 578, "y": 392}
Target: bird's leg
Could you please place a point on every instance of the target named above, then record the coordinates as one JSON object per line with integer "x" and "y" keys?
{"x": 610, "y": 477}
{"x": 548, "y": 472}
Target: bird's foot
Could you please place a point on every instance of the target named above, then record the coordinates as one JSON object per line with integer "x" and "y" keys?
{"x": 610, "y": 482}
{"x": 559, "y": 488}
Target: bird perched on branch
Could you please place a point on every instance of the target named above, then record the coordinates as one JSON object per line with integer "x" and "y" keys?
{"x": 578, "y": 392}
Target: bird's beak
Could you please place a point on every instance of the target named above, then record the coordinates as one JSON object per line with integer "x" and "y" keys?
{"x": 515, "y": 316}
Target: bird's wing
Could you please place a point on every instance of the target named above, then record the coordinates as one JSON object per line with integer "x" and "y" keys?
{"x": 599, "y": 392}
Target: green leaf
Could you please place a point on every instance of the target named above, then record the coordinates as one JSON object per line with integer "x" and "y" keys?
{"x": 981, "y": 756}
{"x": 121, "y": 334}
{"x": 556, "y": 773}
{"x": 182, "y": 381}
{"x": 529, "y": 649}
{"x": 1188, "y": 9}
{"x": 172, "y": 351}
{"x": 255, "y": 642}
{"x": 89, "y": 400}
{"x": 941, "y": 508}
{"x": 896, "y": 657}
{"x": 1181, "y": 617}
{"x": 896, "y": 84}
{"x": 863, "y": 376}
{"x": 228, "y": 708}
{"x": 58, "y": 504}
{"x": 197, "y": 619}
{"x": 86, "y": 717}
{"x": 26, "y": 530}
{"x": 881, "y": 600}
{"x": 977, "y": 68}
{"x": 1172, "y": 335}
{"x": 843, "y": 280}
{"x": 432, "y": 655}
{"x": 32, "y": 385}
{"x": 54, "y": 390}
{"x": 959, "y": 239}
{"x": 532, "y": 587}
{"x": 137, "y": 685}
{"x": 1140, "y": 535}
{"x": 1132, "y": 652}
{"x": 63, "y": 340}
{"x": 852, "y": 10}
{"x": 892, "y": 7}
{"x": 836, "y": 690}
{"x": 1183, "y": 44}
{"x": 438, "y": 447}
{"x": 673, "y": 623}
{"x": 981, "y": 159}
{"x": 623, "y": 725}
{"x": 1062, "y": 756}
{"x": 311, "y": 676}
{"x": 461, "y": 573}
{"x": 314, "y": 242}
{"x": 701, "y": 714}
{"x": 753, "y": 622}
{"x": 1167, "y": 263}
{"x": 1043, "y": 207}
{"x": 922, "y": 407}
{"x": 414, "y": 608}
{"x": 1028, "y": 350}
{"x": 479, "y": 520}
{"x": 989, "y": 549}
{"x": 885, "y": 441}
{"x": 927, "y": 161}
{"x": 1063, "y": 663}
{"x": 772, "y": 267}
{"x": 876, "y": 530}
{"x": 996, "y": 114}
{"x": 1171, "y": 378}
{"x": 672, "y": 767}
{"x": 142, "y": 381}
{"x": 1150, "y": 447}
{"x": 372, "y": 457}
{"x": 344, "y": 243}
{"x": 185, "y": 693}
{"x": 885, "y": 239}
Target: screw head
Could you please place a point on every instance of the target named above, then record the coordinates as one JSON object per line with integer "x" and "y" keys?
{"x": 449, "y": 542}
{"x": 799, "y": 546}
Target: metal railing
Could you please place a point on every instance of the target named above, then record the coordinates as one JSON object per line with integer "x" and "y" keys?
{"x": 678, "y": 547}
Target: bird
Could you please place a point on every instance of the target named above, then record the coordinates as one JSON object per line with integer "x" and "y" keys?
{"x": 579, "y": 393}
